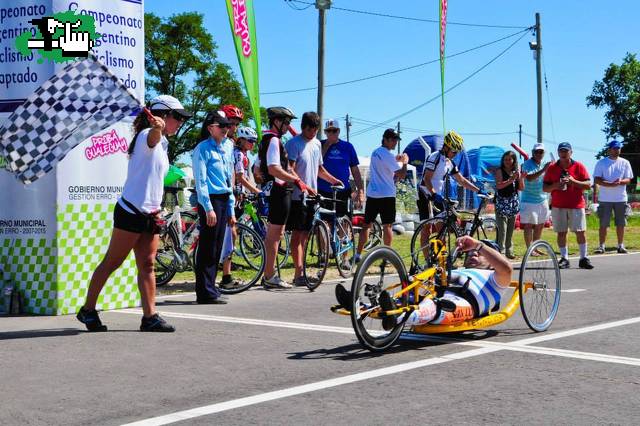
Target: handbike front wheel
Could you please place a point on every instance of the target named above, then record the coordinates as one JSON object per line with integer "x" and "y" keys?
{"x": 539, "y": 286}
{"x": 380, "y": 270}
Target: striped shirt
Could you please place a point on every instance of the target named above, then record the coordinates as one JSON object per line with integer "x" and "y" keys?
{"x": 482, "y": 286}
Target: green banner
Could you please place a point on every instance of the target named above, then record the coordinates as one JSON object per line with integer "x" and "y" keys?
{"x": 443, "y": 31}
{"x": 243, "y": 30}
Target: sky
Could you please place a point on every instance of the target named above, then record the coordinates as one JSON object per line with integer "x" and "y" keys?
{"x": 580, "y": 39}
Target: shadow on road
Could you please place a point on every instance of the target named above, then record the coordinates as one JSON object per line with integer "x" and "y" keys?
{"x": 34, "y": 334}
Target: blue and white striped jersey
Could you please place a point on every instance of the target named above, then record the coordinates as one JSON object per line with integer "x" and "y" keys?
{"x": 483, "y": 286}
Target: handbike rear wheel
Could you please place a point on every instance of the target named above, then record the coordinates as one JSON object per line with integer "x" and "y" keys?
{"x": 539, "y": 286}
{"x": 380, "y": 270}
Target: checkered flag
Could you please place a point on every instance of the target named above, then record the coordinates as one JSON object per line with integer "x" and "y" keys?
{"x": 79, "y": 101}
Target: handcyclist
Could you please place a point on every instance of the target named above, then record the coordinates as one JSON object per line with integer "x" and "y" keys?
{"x": 473, "y": 292}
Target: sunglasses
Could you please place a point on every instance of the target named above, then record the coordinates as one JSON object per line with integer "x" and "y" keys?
{"x": 220, "y": 125}
{"x": 539, "y": 151}
{"x": 176, "y": 116}
{"x": 332, "y": 130}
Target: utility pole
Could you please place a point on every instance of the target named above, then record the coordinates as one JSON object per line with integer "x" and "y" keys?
{"x": 398, "y": 131}
{"x": 348, "y": 126}
{"x": 538, "y": 49}
{"x": 520, "y": 136}
{"x": 322, "y": 6}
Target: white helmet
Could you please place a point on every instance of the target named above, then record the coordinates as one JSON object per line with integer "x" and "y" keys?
{"x": 247, "y": 133}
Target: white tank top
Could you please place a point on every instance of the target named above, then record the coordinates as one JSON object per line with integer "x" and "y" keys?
{"x": 145, "y": 175}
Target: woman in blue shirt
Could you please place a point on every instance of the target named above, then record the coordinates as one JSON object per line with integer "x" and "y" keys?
{"x": 213, "y": 174}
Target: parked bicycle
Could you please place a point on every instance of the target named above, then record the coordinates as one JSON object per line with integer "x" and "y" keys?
{"x": 333, "y": 239}
{"x": 447, "y": 226}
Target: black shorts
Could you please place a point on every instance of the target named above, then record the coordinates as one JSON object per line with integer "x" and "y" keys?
{"x": 342, "y": 209}
{"x": 134, "y": 222}
{"x": 386, "y": 207}
{"x": 423, "y": 206}
{"x": 279, "y": 205}
{"x": 301, "y": 217}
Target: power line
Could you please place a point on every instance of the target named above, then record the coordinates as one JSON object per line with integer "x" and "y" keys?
{"x": 427, "y": 131}
{"x": 357, "y": 80}
{"x": 289, "y": 3}
{"x": 408, "y": 18}
{"x": 556, "y": 143}
{"x": 446, "y": 91}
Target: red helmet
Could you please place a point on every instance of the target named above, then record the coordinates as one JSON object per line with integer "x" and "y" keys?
{"x": 232, "y": 111}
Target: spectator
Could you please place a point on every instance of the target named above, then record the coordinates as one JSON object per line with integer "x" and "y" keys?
{"x": 566, "y": 180}
{"x": 381, "y": 190}
{"x": 305, "y": 158}
{"x": 534, "y": 207}
{"x": 135, "y": 214}
{"x": 214, "y": 180}
{"x": 274, "y": 167}
{"x": 612, "y": 174}
{"x": 509, "y": 181}
{"x": 340, "y": 160}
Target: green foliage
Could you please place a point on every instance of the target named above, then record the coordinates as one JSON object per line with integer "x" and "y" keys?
{"x": 181, "y": 60}
{"x": 619, "y": 93}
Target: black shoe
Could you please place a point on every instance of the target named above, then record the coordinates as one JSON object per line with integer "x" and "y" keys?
{"x": 585, "y": 263}
{"x": 387, "y": 304}
{"x": 90, "y": 319}
{"x": 563, "y": 263}
{"x": 343, "y": 296}
{"x": 231, "y": 285}
{"x": 622, "y": 250}
{"x": 212, "y": 301}
{"x": 157, "y": 324}
{"x": 445, "y": 304}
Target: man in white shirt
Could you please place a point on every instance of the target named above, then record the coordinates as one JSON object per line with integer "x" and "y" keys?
{"x": 612, "y": 174}
{"x": 381, "y": 190}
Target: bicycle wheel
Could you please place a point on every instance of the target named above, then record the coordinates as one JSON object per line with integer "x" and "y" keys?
{"x": 247, "y": 261}
{"x": 165, "y": 265}
{"x": 346, "y": 247}
{"x": 316, "y": 254}
{"x": 427, "y": 230}
{"x": 375, "y": 236}
{"x": 539, "y": 286}
{"x": 380, "y": 270}
{"x": 285, "y": 242}
{"x": 488, "y": 229}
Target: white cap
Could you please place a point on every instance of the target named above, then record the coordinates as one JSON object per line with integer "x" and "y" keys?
{"x": 538, "y": 146}
{"x": 167, "y": 102}
{"x": 332, "y": 124}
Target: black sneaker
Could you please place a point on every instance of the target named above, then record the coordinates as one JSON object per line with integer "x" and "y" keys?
{"x": 387, "y": 304}
{"x": 231, "y": 284}
{"x": 90, "y": 319}
{"x": 156, "y": 323}
{"x": 622, "y": 250}
{"x": 585, "y": 263}
{"x": 563, "y": 263}
{"x": 343, "y": 296}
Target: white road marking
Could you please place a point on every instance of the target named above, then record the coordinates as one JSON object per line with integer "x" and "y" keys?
{"x": 310, "y": 387}
{"x": 484, "y": 347}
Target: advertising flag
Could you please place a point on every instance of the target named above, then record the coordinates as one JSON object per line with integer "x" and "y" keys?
{"x": 443, "y": 29}
{"x": 243, "y": 29}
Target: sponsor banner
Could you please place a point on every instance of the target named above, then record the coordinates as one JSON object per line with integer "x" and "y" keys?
{"x": 55, "y": 231}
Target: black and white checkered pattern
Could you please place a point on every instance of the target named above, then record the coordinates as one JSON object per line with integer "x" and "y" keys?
{"x": 79, "y": 101}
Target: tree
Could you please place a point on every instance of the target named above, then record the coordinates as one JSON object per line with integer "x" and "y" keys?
{"x": 181, "y": 61}
{"x": 619, "y": 93}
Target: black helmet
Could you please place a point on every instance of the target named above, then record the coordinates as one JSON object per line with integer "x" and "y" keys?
{"x": 280, "y": 112}
{"x": 491, "y": 244}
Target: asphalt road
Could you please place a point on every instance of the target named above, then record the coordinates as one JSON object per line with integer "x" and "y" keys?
{"x": 282, "y": 358}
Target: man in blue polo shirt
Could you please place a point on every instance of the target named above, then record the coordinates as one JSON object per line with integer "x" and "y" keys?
{"x": 340, "y": 160}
